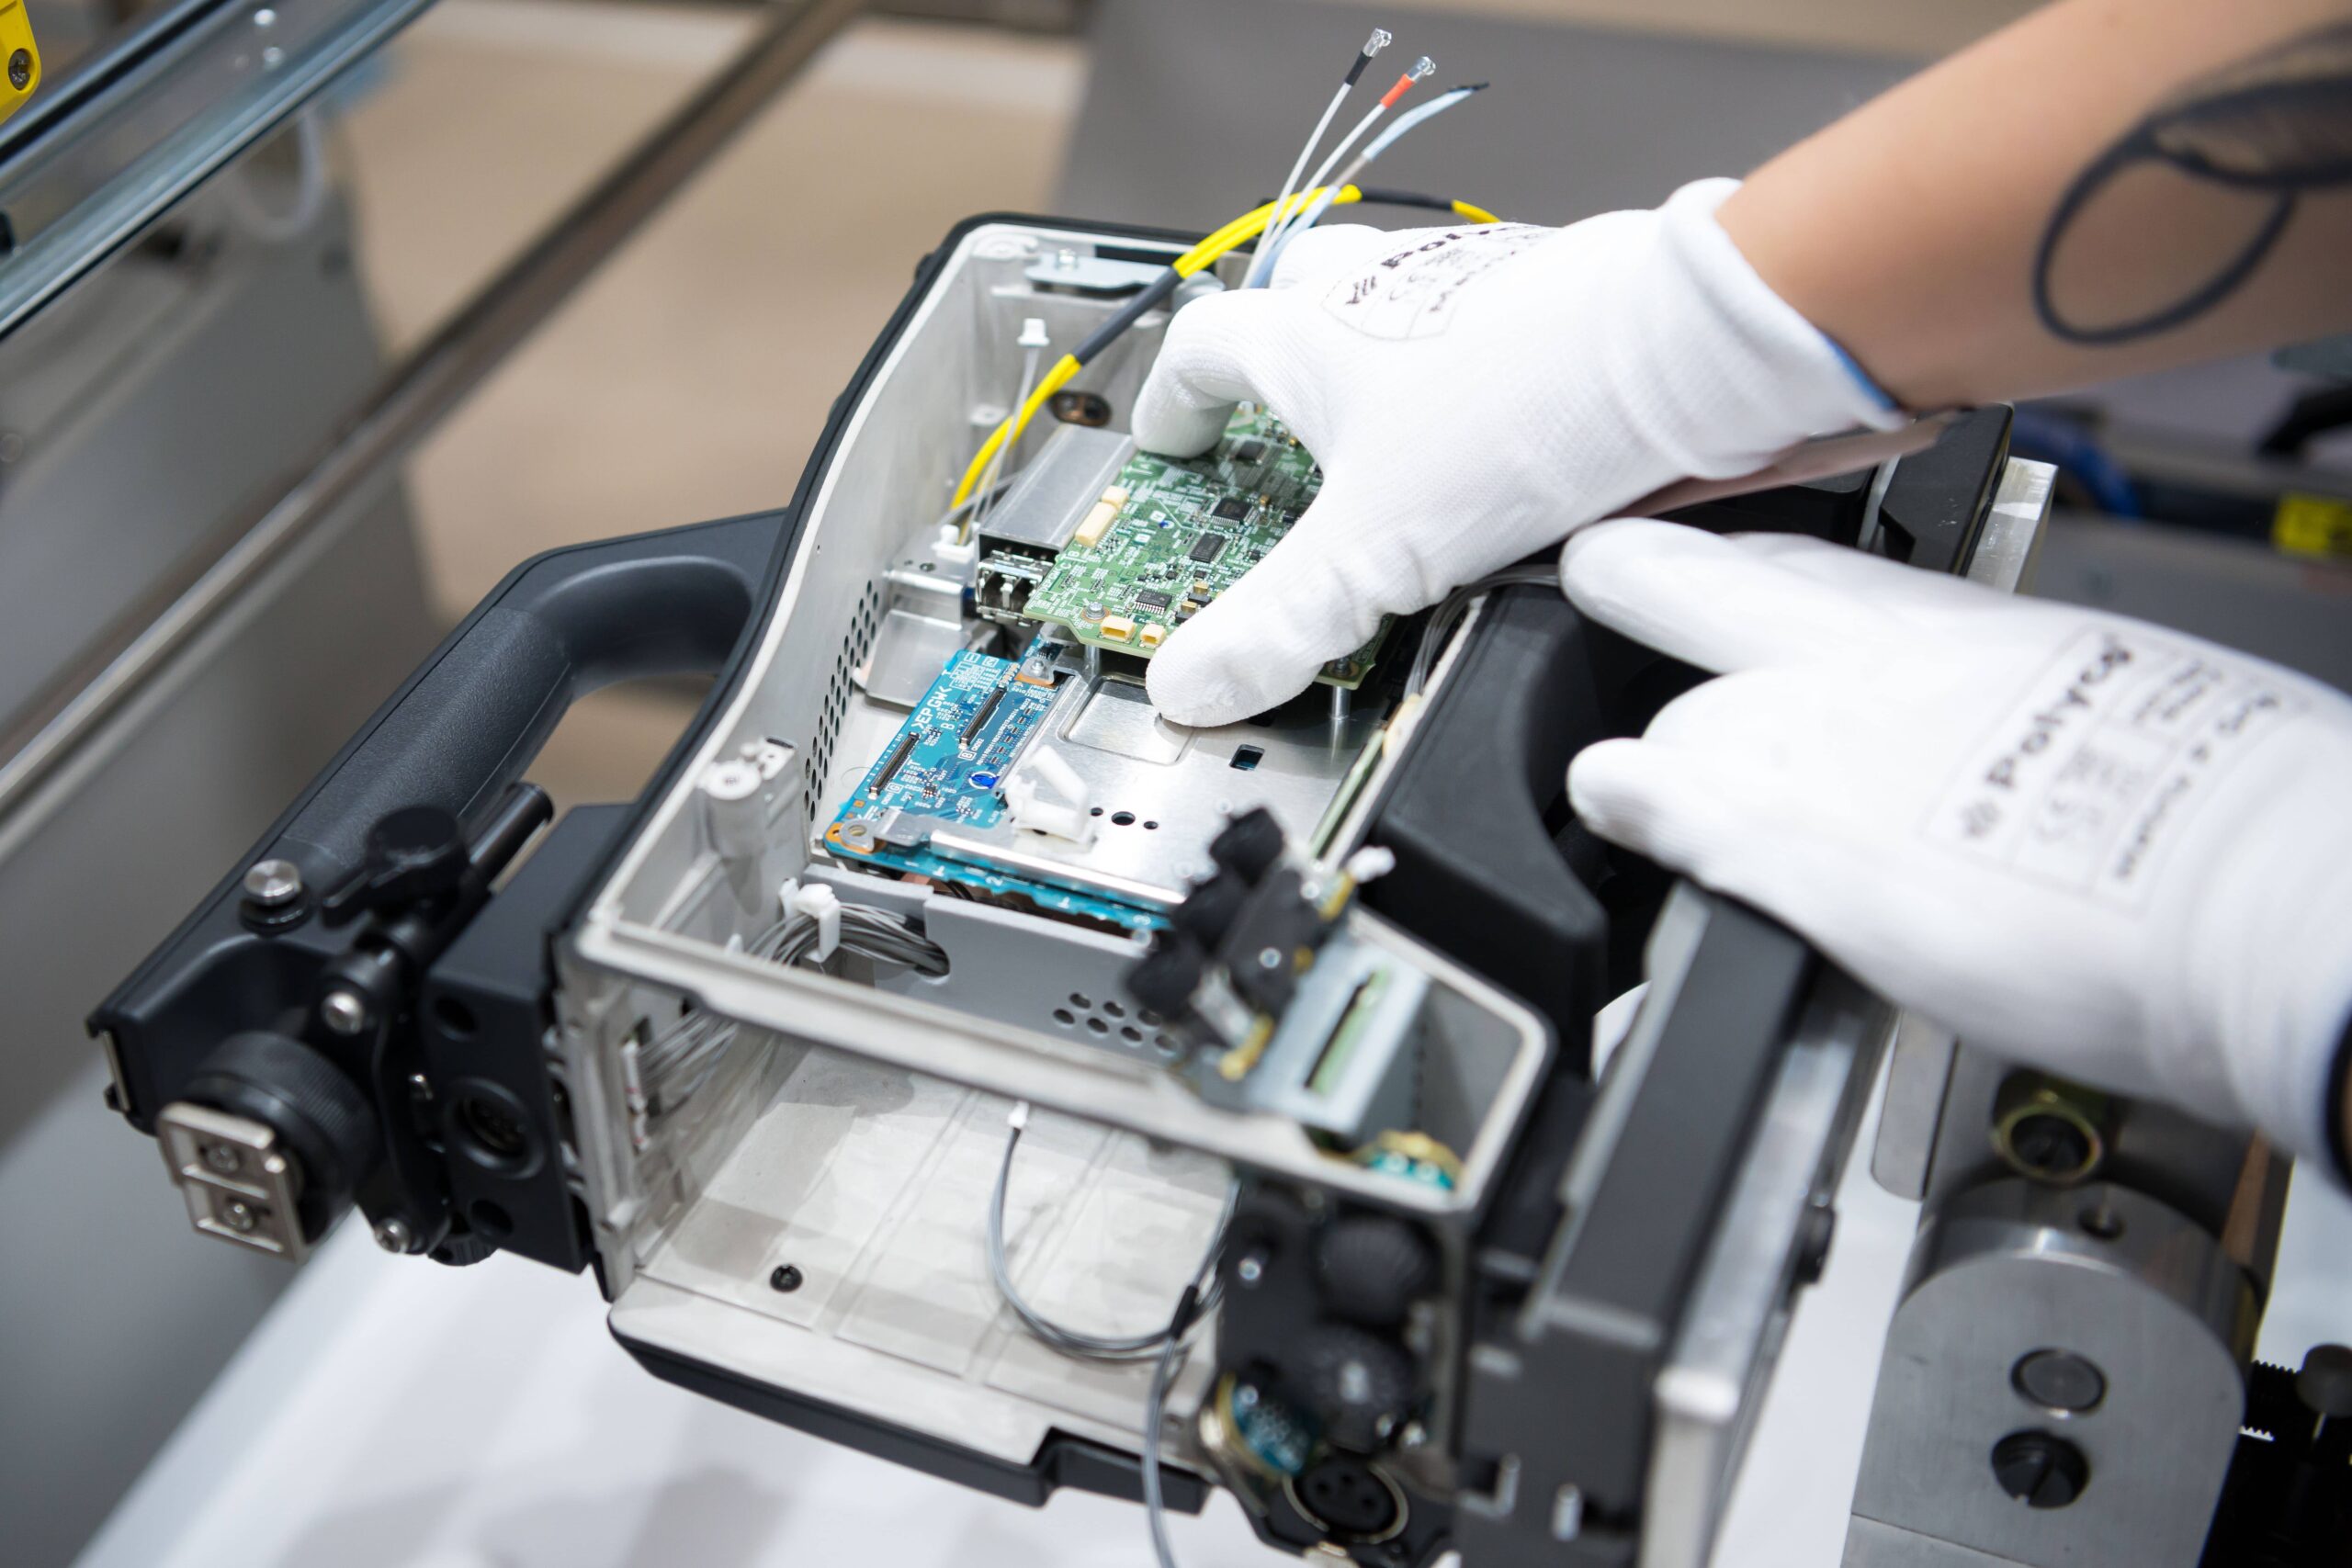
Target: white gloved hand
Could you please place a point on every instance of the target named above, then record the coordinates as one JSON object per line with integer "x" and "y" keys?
{"x": 1473, "y": 394}
{"x": 2116, "y": 852}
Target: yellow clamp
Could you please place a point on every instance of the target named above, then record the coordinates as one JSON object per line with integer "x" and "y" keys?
{"x": 20, "y": 58}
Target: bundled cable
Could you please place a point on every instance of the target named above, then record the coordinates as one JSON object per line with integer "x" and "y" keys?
{"x": 1269, "y": 253}
{"x": 1380, "y": 39}
{"x": 685, "y": 1057}
{"x": 1454, "y": 605}
{"x": 1289, "y": 216}
{"x": 1238, "y": 232}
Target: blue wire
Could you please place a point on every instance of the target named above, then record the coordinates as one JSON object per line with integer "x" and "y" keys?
{"x": 1373, "y": 149}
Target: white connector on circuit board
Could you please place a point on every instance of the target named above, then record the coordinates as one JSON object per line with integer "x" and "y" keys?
{"x": 1046, "y": 795}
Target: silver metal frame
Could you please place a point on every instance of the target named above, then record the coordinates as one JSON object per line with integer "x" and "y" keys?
{"x": 209, "y": 82}
{"x": 647, "y": 925}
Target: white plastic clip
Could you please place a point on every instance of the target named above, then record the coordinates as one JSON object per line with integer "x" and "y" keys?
{"x": 1368, "y": 864}
{"x": 1019, "y": 1119}
{"x": 1046, "y": 795}
{"x": 820, "y": 904}
{"x": 1032, "y": 333}
{"x": 952, "y": 554}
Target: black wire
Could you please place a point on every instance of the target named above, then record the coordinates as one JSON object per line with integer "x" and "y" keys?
{"x": 1383, "y": 197}
{"x": 1157, "y": 291}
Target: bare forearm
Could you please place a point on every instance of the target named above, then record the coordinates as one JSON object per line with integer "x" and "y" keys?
{"x": 2075, "y": 198}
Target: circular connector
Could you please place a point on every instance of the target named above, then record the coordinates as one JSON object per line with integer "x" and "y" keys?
{"x": 327, "y": 1122}
{"x": 1351, "y": 1500}
{"x": 2039, "y": 1468}
{"x": 2048, "y": 1129}
{"x": 491, "y": 1127}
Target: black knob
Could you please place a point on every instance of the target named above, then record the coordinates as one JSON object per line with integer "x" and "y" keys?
{"x": 414, "y": 853}
{"x": 2040, "y": 1470}
{"x": 2325, "y": 1386}
{"x": 1815, "y": 1230}
{"x": 1251, "y": 844}
{"x": 1210, "y": 909}
{"x": 1163, "y": 979}
{"x": 1360, "y": 1383}
{"x": 1371, "y": 1268}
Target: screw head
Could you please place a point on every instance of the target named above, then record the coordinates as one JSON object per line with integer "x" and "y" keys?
{"x": 785, "y": 1279}
{"x": 1250, "y": 1269}
{"x": 239, "y": 1216}
{"x": 343, "y": 1012}
{"x": 20, "y": 68}
{"x": 273, "y": 884}
{"x": 222, "y": 1158}
{"x": 393, "y": 1235}
{"x": 2040, "y": 1470}
{"x": 2059, "y": 1381}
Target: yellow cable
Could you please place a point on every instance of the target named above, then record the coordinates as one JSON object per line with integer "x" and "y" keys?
{"x": 1241, "y": 230}
{"x": 1055, "y": 379}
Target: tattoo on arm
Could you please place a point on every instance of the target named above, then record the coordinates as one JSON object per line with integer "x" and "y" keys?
{"x": 2278, "y": 124}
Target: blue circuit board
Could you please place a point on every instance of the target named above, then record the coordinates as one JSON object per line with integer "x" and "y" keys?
{"x": 946, "y": 765}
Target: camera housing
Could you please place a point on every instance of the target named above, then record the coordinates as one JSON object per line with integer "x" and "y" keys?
{"x": 1548, "y": 1343}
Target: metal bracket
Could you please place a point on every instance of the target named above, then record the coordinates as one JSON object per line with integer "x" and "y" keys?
{"x": 239, "y": 1185}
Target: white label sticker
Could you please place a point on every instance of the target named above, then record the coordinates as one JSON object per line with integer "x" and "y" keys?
{"x": 1412, "y": 293}
{"x": 2100, "y": 768}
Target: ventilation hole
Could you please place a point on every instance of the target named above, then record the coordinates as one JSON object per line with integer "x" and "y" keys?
{"x": 1114, "y": 1010}
{"x": 1077, "y": 999}
{"x": 1131, "y": 1035}
{"x": 1151, "y": 1018}
{"x": 1096, "y": 812}
{"x": 1151, "y": 824}
{"x": 1098, "y": 1026}
{"x": 1124, "y": 819}
{"x": 1064, "y": 1016}
{"x": 1248, "y": 757}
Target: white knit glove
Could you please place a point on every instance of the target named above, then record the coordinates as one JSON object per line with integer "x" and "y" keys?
{"x": 1473, "y": 394}
{"x": 2117, "y": 851}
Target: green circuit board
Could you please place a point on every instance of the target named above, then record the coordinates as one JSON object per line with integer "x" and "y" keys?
{"x": 1175, "y": 533}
